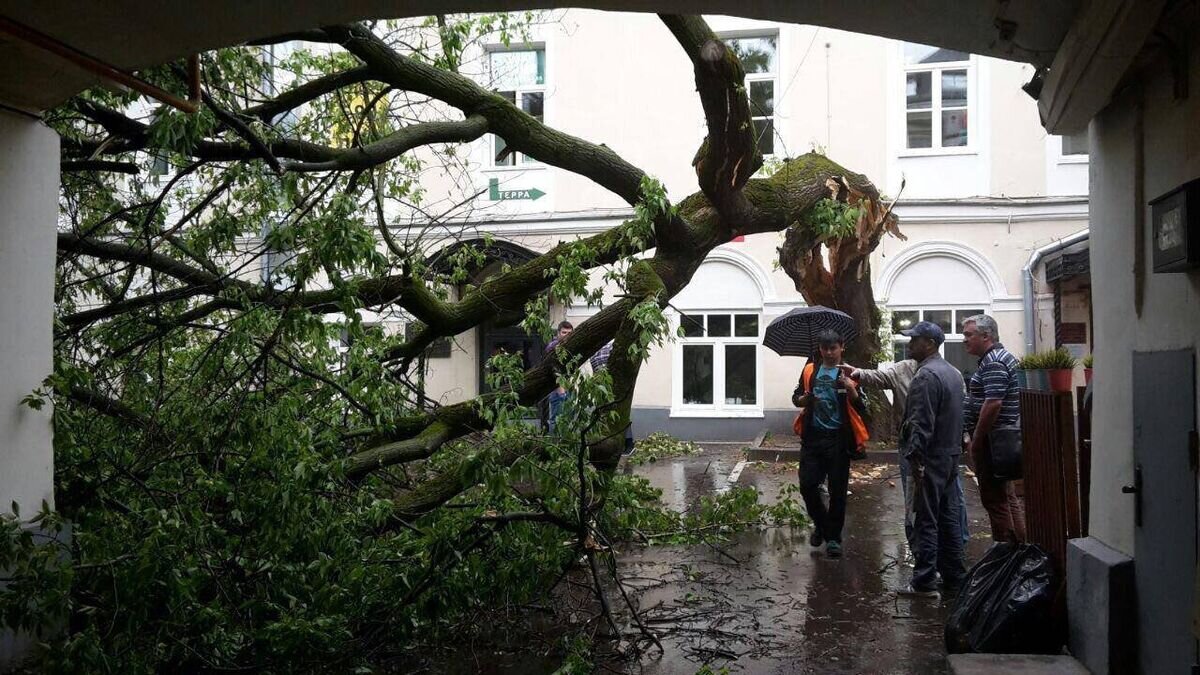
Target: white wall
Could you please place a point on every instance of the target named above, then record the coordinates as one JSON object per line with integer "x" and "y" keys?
{"x": 29, "y": 197}
{"x": 1170, "y": 315}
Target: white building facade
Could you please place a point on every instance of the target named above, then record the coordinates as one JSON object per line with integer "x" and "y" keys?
{"x": 981, "y": 186}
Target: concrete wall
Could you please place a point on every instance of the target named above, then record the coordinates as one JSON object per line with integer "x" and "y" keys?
{"x": 29, "y": 200}
{"x": 1170, "y": 312}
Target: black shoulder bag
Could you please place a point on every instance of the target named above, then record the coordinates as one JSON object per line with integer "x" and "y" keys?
{"x": 1004, "y": 445}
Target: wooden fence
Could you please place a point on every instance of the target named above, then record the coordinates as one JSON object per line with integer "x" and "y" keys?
{"x": 1051, "y": 479}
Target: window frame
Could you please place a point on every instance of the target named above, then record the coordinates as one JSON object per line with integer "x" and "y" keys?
{"x": 958, "y": 312}
{"x": 1076, "y": 158}
{"x": 520, "y": 161}
{"x": 718, "y": 408}
{"x": 935, "y": 110}
{"x": 772, "y": 77}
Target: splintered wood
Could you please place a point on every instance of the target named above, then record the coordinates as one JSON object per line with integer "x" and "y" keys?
{"x": 866, "y": 473}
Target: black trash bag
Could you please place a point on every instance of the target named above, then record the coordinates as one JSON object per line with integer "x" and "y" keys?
{"x": 1005, "y": 605}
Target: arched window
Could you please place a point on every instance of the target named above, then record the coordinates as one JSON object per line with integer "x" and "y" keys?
{"x": 942, "y": 285}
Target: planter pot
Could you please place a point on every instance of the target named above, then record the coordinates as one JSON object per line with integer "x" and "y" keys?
{"x": 1087, "y": 375}
{"x": 1060, "y": 379}
{"x": 1023, "y": 379}
{"x": 1036, "y": 380}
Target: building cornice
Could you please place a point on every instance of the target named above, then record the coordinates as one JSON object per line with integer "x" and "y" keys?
{"x": 916, "y": 211}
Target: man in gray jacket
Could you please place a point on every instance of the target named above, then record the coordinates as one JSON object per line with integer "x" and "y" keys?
{"x": 897, "y": 378}
{"x": 931, "y": 441}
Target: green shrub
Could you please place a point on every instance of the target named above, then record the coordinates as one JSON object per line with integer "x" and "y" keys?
{"x": 1054, "y": 359}
{"x": 1032, "y": 362}
{"x": 1088, "y": 361}
{"x": 1059, "y": 359}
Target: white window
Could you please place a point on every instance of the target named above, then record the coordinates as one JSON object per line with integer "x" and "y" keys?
{"x": 1075, "y": 145}
{"x": 718, "y": 363}
{"x": 159, "y": 167}
{"x": 518, "y": 75}
{"x": 950, "y": 320}
{"x": 937, "y": 93}
{"x": 759, "y": 57}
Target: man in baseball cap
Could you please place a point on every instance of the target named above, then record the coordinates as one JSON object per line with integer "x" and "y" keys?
{"x": 931, "y": 441}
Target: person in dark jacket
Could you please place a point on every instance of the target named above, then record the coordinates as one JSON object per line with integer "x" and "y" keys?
{"x": 832, "y": 431}
{"x": 931, "y": 442}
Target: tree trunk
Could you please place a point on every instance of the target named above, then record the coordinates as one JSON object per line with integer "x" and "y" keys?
{"x": 845, "y": 283}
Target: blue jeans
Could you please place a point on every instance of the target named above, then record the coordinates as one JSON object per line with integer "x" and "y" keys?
{"x": 556, "y": 403}
{"x": 937, "y": 512}
{"x": 908, "y": 505}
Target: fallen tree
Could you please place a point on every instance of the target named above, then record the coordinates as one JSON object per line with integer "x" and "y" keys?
{"x": 231, "y": 435}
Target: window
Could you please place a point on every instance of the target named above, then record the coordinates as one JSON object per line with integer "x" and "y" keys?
{"x": 1075, "y": 144}
{"x": 937, "y": 97}
{"x": 758, "y": 57}
{"x": 520, "y": 77}
{"x": 719, "y": 362}
{"x": 949, "y": 320}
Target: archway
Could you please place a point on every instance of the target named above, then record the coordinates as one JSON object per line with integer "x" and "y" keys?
{"x": 943, "y": 283}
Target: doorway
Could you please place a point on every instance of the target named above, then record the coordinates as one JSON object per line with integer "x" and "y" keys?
{"x": 1164, "y": 423}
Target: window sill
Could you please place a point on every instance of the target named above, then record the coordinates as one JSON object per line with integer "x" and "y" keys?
{"x": 1073, "y": 159}
{"x": 755, "y": 412}
{"x": 939, "y": 152}
{"x": 515, "y": 169}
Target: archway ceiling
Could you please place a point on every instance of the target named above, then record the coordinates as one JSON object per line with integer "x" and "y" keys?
{"x": 133, "y": 34}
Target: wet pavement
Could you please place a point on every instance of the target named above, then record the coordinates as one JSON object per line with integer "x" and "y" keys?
{"x": 766, "y": 602}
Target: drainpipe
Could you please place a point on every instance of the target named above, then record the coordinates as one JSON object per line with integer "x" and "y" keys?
{"x": 1030, "y": 299}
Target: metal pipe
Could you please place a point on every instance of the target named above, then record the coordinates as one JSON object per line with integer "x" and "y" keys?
{"x": 106, "y": 71}
{"x": 1030, "y": 300}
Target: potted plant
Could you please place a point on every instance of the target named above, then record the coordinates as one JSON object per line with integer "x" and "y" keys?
{"x": 1059, "y": 365}
{"x": 1032, "y": 375}
{"x": 1088, "y": 362}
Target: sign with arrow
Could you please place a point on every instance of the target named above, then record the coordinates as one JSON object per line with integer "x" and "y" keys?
{"x": 496, "y": 194}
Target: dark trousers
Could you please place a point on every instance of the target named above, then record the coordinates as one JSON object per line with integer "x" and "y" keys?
{"x": 937, "y": 525}
{"x": 822, "y": 458}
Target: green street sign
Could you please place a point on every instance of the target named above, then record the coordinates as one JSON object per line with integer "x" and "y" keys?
{"x": 496, "y": 194}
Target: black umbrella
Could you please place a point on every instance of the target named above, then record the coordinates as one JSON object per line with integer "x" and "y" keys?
{"x": 795, "y": 333}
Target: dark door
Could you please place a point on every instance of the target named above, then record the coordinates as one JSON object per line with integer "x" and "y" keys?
{"x": 508, "y": 339}
{"x": 1164, "y": 417}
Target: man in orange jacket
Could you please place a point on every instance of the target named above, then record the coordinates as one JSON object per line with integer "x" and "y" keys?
{"x": 832, "y": 433}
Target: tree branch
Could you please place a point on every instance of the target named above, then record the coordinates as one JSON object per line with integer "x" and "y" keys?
{"x": 307, "y": 92}
{"x": 729, "y": 155}
{"x": 312, "y": 35}
{"x": 519, "y": 129}
{"x": 99, "y": 165}
{"x": 397, "y": 143}
{"x": 108, "y": 406}
{"x": 246, "y": 133}
{"x": 111, "y": 250}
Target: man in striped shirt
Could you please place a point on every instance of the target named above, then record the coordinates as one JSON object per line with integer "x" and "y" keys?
{"x": 993, "y": 400}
